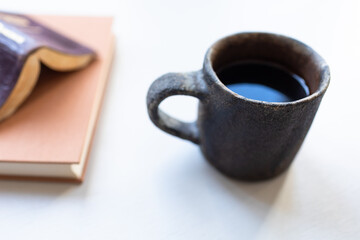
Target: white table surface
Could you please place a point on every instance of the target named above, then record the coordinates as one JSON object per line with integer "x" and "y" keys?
{"x": 144, "y": 184}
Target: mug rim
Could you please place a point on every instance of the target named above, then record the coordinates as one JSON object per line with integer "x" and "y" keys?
{"x": 323, "y": 84}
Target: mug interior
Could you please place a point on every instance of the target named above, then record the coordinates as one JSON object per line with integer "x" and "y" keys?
{"x": 285, "y": 52}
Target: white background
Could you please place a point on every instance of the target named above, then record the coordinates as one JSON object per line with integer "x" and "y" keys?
{"x": 144, "y": 184}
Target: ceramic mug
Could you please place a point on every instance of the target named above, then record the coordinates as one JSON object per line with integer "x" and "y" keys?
{"x": 244, "y": 138}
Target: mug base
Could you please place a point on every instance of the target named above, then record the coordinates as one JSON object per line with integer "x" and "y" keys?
{"x": 251, "y": 176}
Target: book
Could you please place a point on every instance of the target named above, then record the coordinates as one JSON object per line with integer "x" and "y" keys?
{"x": 24, "y": 44}
{"x": 49, "y": 137}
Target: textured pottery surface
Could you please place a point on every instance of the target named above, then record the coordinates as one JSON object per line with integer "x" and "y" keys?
{"x": 19, "y": 37}
{"x": 244, "y": 138}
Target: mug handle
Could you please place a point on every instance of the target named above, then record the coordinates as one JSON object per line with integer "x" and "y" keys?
{"x": 191, "y": 84}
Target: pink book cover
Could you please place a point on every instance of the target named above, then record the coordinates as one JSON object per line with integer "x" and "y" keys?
{"x": 49, "y": 137}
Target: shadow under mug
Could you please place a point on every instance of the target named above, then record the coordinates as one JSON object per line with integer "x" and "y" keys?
{"x": 244, "y": 138}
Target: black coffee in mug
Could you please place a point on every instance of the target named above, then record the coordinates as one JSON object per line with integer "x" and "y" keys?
{"x": 239, "y": 135}
{"x": 263, "y": 81}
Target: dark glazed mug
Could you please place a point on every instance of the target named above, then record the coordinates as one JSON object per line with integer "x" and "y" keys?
{"x": 244, "y": 138}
